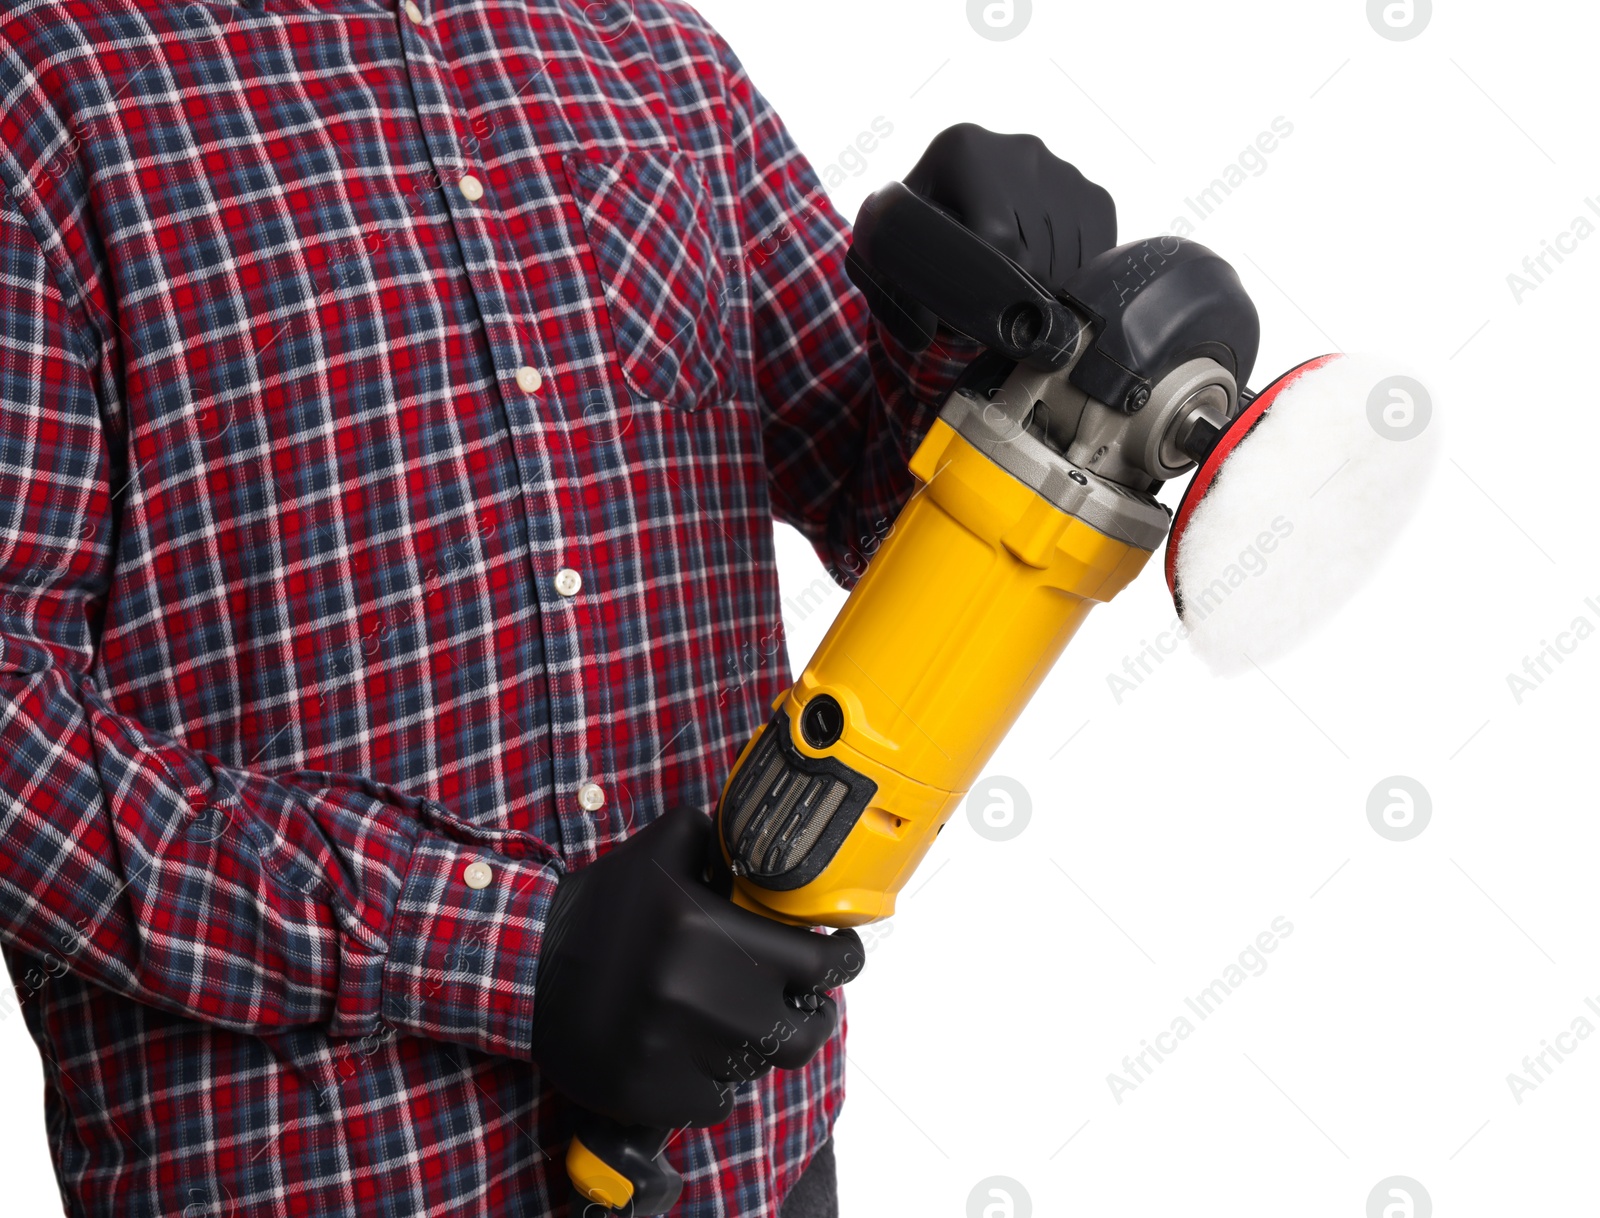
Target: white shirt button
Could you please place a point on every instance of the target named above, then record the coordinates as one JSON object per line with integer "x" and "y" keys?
{"x": 471, "y": 188}
{"x": 478, "y": 875}
{"x": 568, "y": 582}
{"x": 413, "y": 12}
{"x": 590, "y": 797}
{"x": 528, "y": 379}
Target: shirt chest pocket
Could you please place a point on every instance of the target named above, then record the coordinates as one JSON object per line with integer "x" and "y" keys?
{"x": 649, "y": 223}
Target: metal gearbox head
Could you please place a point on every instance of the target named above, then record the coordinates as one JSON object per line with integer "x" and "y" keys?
{"x": 1093, "y": 395}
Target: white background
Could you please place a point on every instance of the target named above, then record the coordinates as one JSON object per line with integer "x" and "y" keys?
{"x": 1177, "y": 825}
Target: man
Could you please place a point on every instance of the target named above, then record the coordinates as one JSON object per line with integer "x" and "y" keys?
{"x": 394, "y": 404}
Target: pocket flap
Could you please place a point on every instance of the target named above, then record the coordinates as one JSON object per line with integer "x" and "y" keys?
{"x": 650, "y": 224}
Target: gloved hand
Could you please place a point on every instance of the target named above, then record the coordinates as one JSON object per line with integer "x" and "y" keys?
{"x": 655, "y": 995}
{"x": 1014, "y": 193}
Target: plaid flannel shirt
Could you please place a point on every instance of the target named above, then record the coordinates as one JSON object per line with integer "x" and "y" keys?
{"x": 395, "y": 402}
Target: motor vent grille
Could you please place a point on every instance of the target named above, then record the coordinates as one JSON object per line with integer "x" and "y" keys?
{"x": 786, "y": 814}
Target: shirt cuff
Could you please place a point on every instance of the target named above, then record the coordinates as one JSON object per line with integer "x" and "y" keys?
{"x": 464, "y": 948}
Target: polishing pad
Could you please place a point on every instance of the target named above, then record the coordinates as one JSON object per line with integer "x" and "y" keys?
{"x": 1295, "y": 505}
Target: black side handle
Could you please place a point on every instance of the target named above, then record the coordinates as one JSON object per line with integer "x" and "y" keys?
{"x": 904, "y": 242}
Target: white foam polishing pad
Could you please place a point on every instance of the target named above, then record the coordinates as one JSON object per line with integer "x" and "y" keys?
{"x": 1287, "y": 517}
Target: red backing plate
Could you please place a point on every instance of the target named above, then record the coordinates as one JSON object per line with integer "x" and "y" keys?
{"x": 1206, "y": 475}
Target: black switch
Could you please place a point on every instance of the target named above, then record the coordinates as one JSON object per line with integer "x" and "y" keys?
{"x": 822, "y": 721}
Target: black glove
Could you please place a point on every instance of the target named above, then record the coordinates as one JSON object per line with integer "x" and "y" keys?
{"x": 1014, "y": 193}
{"x": 655, "y": 995}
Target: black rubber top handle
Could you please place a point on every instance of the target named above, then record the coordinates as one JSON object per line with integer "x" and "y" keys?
{"x": 1151, "y": 304}
{"x": 903, "y": 241}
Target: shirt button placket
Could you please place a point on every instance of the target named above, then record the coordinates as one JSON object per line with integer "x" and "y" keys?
{"x": 469, "y": 198}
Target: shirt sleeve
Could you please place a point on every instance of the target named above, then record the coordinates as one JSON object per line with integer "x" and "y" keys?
{"x": 844, "y": 406}
{"x": 241, "y": 899}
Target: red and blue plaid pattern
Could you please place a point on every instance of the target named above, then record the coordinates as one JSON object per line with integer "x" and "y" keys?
{"x": 297, "y": 430}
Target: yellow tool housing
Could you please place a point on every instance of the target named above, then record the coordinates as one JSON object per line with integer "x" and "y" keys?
{"x": 1037, "y": 500}
{"x": 596, "y": 1179}
{"x": 959, "y": 617}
